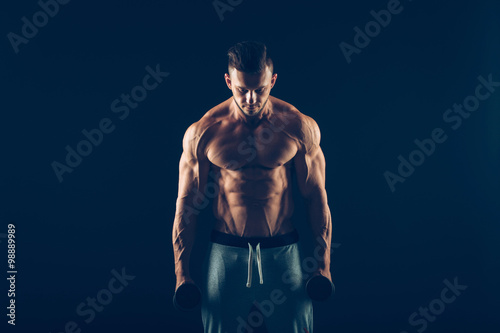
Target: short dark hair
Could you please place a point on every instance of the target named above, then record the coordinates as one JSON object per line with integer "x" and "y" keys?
{"x": 249, "y": 57}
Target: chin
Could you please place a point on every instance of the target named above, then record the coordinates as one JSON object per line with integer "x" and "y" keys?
{"x": 253, "y": 111}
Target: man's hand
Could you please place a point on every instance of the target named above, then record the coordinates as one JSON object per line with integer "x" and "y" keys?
{"x": 183, "y": 280}
{"x": 324, "y": 273}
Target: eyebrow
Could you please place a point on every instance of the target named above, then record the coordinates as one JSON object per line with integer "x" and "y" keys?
{"x": 247, "y": 89}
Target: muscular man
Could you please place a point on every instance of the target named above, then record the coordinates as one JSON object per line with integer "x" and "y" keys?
{"x": 243, "y": 153}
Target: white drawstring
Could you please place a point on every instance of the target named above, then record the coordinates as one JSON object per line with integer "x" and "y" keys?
{"x": 250, "y": 253}
{"x": 250, "y": 264}
{"x": 259, "y": 263}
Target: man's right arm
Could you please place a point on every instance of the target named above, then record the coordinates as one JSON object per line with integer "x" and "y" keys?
{"x": 193, "y": 174}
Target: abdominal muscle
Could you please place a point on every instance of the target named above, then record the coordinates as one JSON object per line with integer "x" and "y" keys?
{"x": 254, "y": 202}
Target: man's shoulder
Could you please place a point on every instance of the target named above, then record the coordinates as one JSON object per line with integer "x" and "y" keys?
{"x": 215, "y": 115}
{"x": 299, "y": 125}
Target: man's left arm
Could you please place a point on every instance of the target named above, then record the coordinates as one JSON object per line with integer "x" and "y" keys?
{"x": 310, "y": 171}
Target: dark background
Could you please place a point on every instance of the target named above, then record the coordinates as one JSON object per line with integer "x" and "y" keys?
{"x": 116, "y": 208}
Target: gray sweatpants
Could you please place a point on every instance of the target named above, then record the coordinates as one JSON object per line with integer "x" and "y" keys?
{"x": 254, "y": 285}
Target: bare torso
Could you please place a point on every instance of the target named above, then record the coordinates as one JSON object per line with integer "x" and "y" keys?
{"x": 254, "y": 165}
{"x": 252, "y": 157}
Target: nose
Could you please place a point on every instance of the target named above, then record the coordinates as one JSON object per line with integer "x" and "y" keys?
{"x": 250, "y": 97}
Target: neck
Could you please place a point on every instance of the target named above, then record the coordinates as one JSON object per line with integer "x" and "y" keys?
{"x": 251, "y": 120}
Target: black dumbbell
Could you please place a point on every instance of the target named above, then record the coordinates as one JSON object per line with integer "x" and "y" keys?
{"x": 319, "y": 288}
{"x": 187, "y": 297}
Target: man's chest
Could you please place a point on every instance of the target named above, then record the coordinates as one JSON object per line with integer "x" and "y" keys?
{"x": 236, "y": 147}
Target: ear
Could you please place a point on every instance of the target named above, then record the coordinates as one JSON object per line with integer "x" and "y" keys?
{"x": 273, "y": 80}
{"x": 228, "y": 81}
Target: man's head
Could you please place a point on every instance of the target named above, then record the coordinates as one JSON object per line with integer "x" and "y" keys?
{"x": 250, "y": 76}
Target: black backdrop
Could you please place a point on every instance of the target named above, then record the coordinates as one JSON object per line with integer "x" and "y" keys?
{"x": 393, "y": 249}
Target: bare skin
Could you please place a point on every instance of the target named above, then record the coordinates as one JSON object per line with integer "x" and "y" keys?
{"x": 243, "y": 157}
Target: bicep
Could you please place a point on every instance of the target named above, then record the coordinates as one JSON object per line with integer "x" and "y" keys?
{"x": 310, "y": 171}
{"x": 187, "y": 175}
{"x": 193, "y": 168}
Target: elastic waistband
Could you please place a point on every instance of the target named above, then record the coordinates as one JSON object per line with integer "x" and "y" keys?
{"x": 265, "y": 242}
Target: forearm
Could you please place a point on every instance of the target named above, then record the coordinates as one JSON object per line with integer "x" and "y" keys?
{"x": 321, "y": 224}
{"x": 183, "y": 237}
